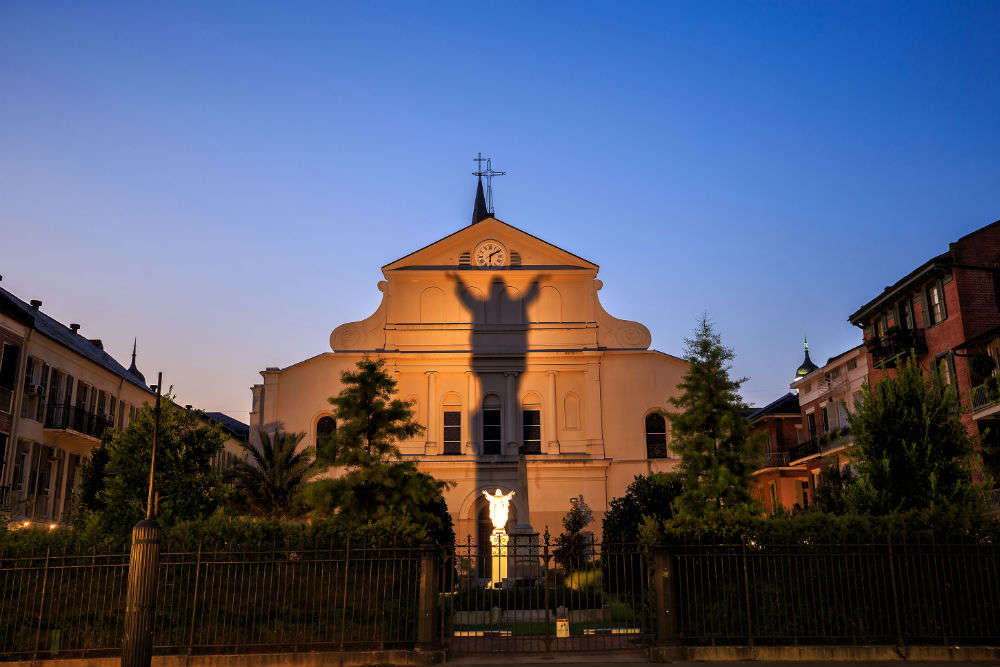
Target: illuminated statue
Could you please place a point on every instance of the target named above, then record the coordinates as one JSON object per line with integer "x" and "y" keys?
{"x": 499, "y": 510}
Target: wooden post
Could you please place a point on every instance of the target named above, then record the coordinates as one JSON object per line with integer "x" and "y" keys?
{"x": 665, "y": 587}
{"x": 140, "y": 603}
{"x": 426, "y": 635}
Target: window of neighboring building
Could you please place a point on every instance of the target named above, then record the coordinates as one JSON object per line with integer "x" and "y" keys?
{"x": 43, "y": 390}
{"x": 852, "y": 364}
{"x": 531, "y": 431}
{"x": 8, "y": 375}
{"x": 20, "y": 458}
{"x": 805, "y": 495}
{"x": 325, "y": 427}
{"x": 936, "y": 309}
{"x": 774, "y": 496}
{"x": 28, "y": 395}
{"x": 67, "y": 401}
{"x": 492, "y": 432}
{"x": 945, "y": 367}
{"x": 3, "y": 449}
{"x": 826, "y": 419}
{"x": 811, "y": 421}
{"x": 905, "y": 316}
{"x": 656, "y": 436}
{"x": 452, "y": 432}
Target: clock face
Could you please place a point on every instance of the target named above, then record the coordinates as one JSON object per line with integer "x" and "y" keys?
{"x": 490, "y": 253}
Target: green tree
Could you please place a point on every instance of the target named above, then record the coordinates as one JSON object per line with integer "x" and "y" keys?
{"x": 370, "y": 419}
{"x": 831, "y": 491}
{"x": 649, "y": 495}
{"x": 187, "y": 486}
{"x": 911, "y": 449}
{"x": 711, "y": 432}
{"x": 573, "y": 546}
{"x": 375, "y": 486}
{"x": 270, "y": 481}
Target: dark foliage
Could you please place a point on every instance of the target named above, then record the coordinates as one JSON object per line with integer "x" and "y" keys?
{"x": 649, "y": 495}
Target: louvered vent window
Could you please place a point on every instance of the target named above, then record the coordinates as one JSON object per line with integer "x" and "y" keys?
{"x": 465, "y": 259}
{"x": 515, "y": 258}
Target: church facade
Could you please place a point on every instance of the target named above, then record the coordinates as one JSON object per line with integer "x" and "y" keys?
{"x": 522, "y": 380}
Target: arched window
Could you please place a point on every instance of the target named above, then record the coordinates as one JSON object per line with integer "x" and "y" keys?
{"x": 324, "y": 429}
{"x": 656, "y": 436}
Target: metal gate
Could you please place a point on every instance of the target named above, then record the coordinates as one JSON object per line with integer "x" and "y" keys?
{"x": 571, "y": 594}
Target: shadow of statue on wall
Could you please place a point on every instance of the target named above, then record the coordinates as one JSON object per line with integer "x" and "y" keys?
{"x": 498, "y": 344}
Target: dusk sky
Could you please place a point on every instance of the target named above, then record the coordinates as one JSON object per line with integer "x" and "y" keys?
{"x": 224, "y": 183}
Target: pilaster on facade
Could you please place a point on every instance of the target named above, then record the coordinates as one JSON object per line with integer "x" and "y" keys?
{"x": 510, "y": 411}
{"x": 471, "y": 404}
{"x": 550, "y": 419}
{"x": 430, "y": 444}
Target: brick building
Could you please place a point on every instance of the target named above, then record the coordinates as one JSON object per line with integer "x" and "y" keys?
{"x": 946, "y": 312}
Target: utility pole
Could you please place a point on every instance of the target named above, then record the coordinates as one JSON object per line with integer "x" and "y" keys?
{"x": 143, "y": 563}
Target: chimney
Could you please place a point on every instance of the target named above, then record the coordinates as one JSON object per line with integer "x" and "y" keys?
{"x": 74, "y": 327}
{"x": 36, "y": 304}
{"x": 98, "y": 343}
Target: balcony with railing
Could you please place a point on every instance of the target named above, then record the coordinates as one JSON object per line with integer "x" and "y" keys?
{"x": 985, "y": 396}
{"x": 887, "y": 350}
{"x": 821, "y": 444}
{"x": 75, "y": 418}
{"x": 775, "y": 460}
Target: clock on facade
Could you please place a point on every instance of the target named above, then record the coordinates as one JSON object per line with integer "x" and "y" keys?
{"x": 489, "y": 253}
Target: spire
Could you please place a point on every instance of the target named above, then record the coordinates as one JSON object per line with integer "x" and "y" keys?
{"x": 133, "y": 369}
{"x": 479, "y": 210}
{"x": 807, "y": 366}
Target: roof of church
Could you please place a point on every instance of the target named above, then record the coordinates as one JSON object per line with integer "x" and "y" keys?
{"x": 479, "y": 210}
{"x": 589, "y": 264}
{"x": 60, "y": 333}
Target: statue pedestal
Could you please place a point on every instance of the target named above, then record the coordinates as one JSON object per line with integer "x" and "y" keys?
{"x": 498, "y": 557}
{"x": 524, "y": 551}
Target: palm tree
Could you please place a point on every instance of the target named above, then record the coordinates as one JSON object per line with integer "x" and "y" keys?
{"x": 269, "y": 480}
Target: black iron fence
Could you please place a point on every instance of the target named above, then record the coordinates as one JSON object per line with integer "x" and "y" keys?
{"x": 553, "y": 596}
{"x": 214, "y": 602}
{"x": 837, "y": 594}
{"x": 538, "y": 595}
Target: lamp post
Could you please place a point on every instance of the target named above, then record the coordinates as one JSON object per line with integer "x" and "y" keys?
{"x": 140, "y": 604}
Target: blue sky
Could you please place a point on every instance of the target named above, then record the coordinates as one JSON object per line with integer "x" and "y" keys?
{"x": 224, "y": 182}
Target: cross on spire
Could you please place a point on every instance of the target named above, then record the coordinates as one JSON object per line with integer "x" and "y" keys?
{"x": 488, "y": 174}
